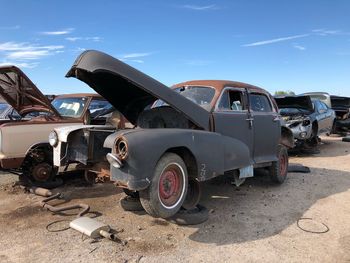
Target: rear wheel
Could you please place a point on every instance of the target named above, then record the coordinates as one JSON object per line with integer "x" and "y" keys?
{"x": 279, "y": 169}
{"x": 167, "y": 191}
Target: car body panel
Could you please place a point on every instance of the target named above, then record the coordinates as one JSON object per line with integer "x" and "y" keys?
{"x": 21, "y": 93}
{"x": 133, "y": 89}
{"x": 214, "y": 153}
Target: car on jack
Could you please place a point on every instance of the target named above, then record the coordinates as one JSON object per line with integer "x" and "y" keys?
{"x": 24, "y": 143}
{"x": 181, "y": 136}
{"x": 307, "y": 118}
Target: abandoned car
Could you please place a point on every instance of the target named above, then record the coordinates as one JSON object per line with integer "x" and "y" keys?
{"x": 181, "y": 136}
{"x": 341, "y": 106}
{"x": 24, "y": 143}
{"x": 307, "y": 118}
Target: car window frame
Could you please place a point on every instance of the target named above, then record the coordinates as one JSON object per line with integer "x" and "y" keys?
{"x": 244, "y": 100}
{"x": 272, "y": 107}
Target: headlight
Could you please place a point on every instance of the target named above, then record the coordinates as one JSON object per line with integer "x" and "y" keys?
{"x": 306, "y": 122}
{"x": 53, "y": 139}
{"x": 121, "y": 148}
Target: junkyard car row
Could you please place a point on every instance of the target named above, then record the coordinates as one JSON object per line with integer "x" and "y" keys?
{"x": 157, "y": 143}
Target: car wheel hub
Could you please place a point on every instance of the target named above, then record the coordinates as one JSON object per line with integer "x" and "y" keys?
{"x": 170, "y": 186}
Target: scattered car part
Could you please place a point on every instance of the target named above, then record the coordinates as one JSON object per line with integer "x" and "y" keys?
{"x": 92, "y": 228}
{"x": 40, "y": 191}
{"x": 44, "y": 204}
{"x": 194, "y": 216}
{"x": 298, "y": 169}
{"x": 193, "y": 195}
{"x": 346, "y": 139}
{"x": 129, "y": 203}
{"x": 326, "y": 228}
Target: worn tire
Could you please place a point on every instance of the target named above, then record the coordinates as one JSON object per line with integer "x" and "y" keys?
{"x": 346, "y": 139}
{"x": 130, "y": 193}
{"x": 279, "y": 169}
{"x": 129, "y": 203}
{"x": 194, "y": 216}
{"x": 167, "y": 190}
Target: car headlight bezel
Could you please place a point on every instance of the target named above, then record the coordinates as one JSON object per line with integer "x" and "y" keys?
{"x": 53, "y": 139}
{"x": 121, "y": 148}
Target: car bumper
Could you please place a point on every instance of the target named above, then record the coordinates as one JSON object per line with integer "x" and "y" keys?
{"x": 119, "y": 174}
{"x": 301, "y": 132}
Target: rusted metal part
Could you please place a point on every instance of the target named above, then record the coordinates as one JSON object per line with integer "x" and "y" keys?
{"x": 43, "y": 203}
{"x": 11, "y": 163}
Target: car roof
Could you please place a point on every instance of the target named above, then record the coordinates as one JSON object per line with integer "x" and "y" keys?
{"x": 220, "y": 84}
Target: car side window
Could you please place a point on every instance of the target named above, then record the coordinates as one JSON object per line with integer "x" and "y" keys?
{"x": 231, "y": 100}
{"x": 260, "y": 103}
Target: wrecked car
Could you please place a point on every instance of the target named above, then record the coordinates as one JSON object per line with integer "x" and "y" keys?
{"x": 181, "y": 136}
{"x": 306, "y": 118}
{"x": 341, "y": 106}
{"x": 24, "y": 143}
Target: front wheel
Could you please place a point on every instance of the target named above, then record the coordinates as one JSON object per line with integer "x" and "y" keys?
{"x": 168, "y": 188}
{"x": 279, "y": 169}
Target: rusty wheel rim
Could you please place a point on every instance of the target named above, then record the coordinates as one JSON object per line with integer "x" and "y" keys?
{"x": 283, "y": 164}
{"x": 171, "y": 185}
{"x": 42, "y": 172}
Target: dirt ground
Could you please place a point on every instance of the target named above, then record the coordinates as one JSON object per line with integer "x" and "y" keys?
{"x": 256, "y": 222}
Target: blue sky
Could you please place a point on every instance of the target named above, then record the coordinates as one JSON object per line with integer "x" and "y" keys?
{"x": 278, "y": 45}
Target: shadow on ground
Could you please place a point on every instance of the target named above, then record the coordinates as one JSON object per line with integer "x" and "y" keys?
{"x": 259, "y": 209}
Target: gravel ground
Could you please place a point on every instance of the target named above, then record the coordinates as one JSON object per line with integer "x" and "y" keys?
{"x": 256, "y": 222}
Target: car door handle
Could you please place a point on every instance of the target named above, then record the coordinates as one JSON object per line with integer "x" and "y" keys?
{"x": 249, "y": 119}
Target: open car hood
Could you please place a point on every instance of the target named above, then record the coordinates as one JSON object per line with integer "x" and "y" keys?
{"x": 21, "y": 93}
{"x": 297, "y": 102}
{"x": 130, "y": 90}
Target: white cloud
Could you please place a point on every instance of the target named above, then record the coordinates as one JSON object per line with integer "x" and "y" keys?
{"x": 200, "y": 8}
{"x": 60, "y": 32}
{"x": 18, "y": 64}
{"x": 136, "y": 55}
{"x": 325, "y": 32}
{"x": 73, "y": 39}
{"x": 94, "y": 39}
{"x": 20, "y": 53}
{"x": 10, "y": 27}
{"x": 28, "y": 55}
{"x": 275, "y": 40}
{"x": 24, "y": 46}
{"x": 299, "y": 47}
{"x": 197, "y": 62}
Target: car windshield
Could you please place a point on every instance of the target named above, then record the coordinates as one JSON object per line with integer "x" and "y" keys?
{"x": 70, "y": 107}
{"x": 198, "y": 94}
{"x": 3, "y": 107}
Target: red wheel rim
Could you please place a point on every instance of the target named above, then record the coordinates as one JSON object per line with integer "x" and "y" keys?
{"x": 171, "y": 185}
{"x": 283, "y": 164}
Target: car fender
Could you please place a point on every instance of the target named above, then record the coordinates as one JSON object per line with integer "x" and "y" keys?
{"x": 214, "y": 153}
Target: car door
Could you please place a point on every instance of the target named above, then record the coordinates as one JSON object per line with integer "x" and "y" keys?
{"x": 266, "y": 127}
{"x": 329, "y": 116}
{"x": 231, "y": 116}
{"x": 320, "y": 116}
